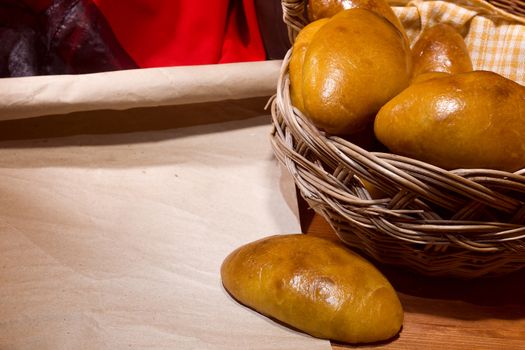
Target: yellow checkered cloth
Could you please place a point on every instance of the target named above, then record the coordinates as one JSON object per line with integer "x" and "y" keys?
{"x": 496, "y": 41}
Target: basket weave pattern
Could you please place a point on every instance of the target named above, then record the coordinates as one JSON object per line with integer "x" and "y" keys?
{"x": 464, "y": 223}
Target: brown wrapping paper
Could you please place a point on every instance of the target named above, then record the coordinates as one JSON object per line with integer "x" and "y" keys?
{"x": 112, "y": 236}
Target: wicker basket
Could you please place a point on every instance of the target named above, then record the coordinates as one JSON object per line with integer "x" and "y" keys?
{"x": 463, "y": 223}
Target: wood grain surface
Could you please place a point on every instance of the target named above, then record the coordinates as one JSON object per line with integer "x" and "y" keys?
{"x": 443, "y": 313}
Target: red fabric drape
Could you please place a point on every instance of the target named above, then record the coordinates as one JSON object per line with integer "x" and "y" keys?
{"x": 185, "y": 32}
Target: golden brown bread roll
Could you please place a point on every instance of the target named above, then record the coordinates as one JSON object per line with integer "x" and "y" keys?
{"x": 440, "y": 48}
{"x": 302, "y": 41}
{"x": 317, "y": 9}
{"x": 355, "y": 63}
{"x": 428, "y": 76}
{"x": 466, "y": 120}
{"x": 316, "y": 286}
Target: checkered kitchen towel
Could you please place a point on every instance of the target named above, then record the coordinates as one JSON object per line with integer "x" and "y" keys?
{"x": 495, "y": 39}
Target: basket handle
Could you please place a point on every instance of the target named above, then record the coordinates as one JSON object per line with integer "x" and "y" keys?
{"x": 294, "y": 15}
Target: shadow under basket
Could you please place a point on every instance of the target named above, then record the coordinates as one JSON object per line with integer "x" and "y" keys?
{"x": 463, "y": 223}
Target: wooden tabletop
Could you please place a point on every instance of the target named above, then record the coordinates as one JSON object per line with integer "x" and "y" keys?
{"x": 446, "y": 313}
